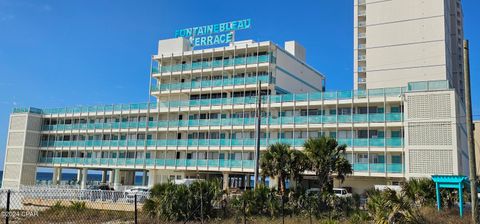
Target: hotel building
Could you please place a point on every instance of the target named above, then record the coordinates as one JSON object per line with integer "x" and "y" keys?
{"x": 200, "y": 122}
{"x": 405, "y": 117}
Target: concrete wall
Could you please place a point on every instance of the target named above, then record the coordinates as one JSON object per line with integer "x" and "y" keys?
{"x": 295, "y": 76}
{"x": 411, "y": 40}
{"x": 432, "y": 135}
{"x": 22, "y": 150}
{"x": 476, "y": 137}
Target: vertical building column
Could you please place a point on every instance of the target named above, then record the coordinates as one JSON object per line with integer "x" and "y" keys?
{"x": 55, "y": 176}
{"x": 273, "y": 183}
{"x": 110, "y": 177}
{"x": 104, "y": 176}
{"x": 144, "y": 178}
{"x": 226, "y": 178}
{"x": 79, "y": 176}
{"x": 152, "y": 178}
{"x": 116, "y": 180}
{"x": 83, "y": 182}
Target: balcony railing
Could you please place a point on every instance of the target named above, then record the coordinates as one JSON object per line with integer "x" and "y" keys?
{"x": 284, "y": 98}
{"x": 216, "y": 163}
{"x": 215, "y": 64}
{"x": 219, "y": 163}
{"x": 212, "y": 83}
{"x": 352, "y": 142}
{"x": 312, "y": 119}
{"x": 378, "y": 167}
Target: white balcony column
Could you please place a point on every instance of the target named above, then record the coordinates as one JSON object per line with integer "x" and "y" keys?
{"x": 152, "y": 178}
{"x": 110, "y": 177}
{"x": 273, "y": 183}
{"x": 83, "y": 182}
{"x": 79, "y": 175}
{"x": 226, "y": 178}
{"x": 57, "y": 172}
{"x": 145, "y": 178}
{"x": 104, "y": 176}
{"x": 116, "y": 180}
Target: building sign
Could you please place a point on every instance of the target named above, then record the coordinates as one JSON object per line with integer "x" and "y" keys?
{"x": 215, "y": 34}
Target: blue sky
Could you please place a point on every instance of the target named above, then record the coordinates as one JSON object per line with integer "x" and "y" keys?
{"x": 68, "y": 53}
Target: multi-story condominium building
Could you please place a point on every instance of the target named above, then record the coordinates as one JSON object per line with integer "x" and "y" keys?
{"x": 200, "y": 122}
{"x": 401, "y": 41}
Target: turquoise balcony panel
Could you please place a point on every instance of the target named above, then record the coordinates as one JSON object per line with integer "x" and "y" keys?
{"x": 342, "y": 95}
{"x": 248, "y": 164}
{"x": 301, "y": 97}
{"x": 360, "y": 142}
{"x": 139, "y": 161}
{"x": 236, "y": 163}
{"x": 377, "y": 167}
{"x": 213, "y": 163}
{"x": 346, "y": 141}
{"x": 359, "y": 118}
{"x": 360, "y": 167}
{"x": 394, "y": 142}
{"x": 392, "y": 117}
{"x": 224, "y": 163}
{"x": 191, "y": 163}
{"x": 344, "y": 118}
{"x": 170, "y": 162}
{"x": 395, "y": 168}
{"x": 181, "y": 162}
{"x": 202, "y": 163}
{"x": 377, "y": 142}
{"x": 129, "y": 162}
{"x": 328, "y": 119}
{"x": 380, "y": 117}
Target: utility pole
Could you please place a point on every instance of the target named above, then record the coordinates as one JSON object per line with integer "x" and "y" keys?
{"x": 471, "y": 150}
{"x": 257, "y": 134}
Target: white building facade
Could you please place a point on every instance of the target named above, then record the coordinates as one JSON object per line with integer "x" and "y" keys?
{"x": 200, "y": 123}
{"x": 401, "y": 41}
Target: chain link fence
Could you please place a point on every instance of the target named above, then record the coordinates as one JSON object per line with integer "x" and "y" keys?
{"x": 56, "y": 205}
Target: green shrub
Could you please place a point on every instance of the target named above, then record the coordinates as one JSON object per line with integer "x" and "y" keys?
{"x": 170, "y": 202}
{"x": 77, "y": 205}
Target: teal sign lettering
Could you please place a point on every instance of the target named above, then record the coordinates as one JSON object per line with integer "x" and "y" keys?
{"x": 215, "y": 34}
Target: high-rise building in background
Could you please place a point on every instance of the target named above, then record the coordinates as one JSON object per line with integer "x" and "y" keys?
{"x": 401, "y": 41}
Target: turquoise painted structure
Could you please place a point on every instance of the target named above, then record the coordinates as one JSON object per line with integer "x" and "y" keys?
{"x": 450, "y": 182}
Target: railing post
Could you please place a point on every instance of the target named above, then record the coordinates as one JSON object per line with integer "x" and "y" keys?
{"x": 136, "y": 212}
{"x": 8, "y": 207}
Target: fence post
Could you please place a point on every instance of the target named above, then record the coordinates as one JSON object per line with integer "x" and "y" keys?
{"x": 136, "y": 215}
{"x": 8, "y": 207}
{"x": 283, "y": 210}
{"x": 244, "y": 212}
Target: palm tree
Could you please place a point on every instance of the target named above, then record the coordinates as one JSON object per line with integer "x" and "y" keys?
{"x": 327, "y": 157}
{"x": 420, "y": 191}
{"x": 282, "y": 162}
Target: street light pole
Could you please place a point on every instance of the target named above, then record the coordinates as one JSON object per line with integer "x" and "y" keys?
{"x": 471, "y": 149}
{"x": 257, "y": 133}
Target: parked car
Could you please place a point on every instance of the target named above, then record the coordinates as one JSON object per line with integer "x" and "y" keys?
{"x": 141, "y": 192}
{"x": 96, "y": 192}
{"x": 341, "y": 192}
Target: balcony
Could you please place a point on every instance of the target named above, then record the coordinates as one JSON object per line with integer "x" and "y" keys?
{"x": 283, "y": 98}
{"x": 362, "y": 46}
{"x": 215, "y": 163}
{"x": 362, "y": 35}
{"x": 352, "y": 142}
{"x": 378, "y": 167}
{"x": 362, "y": 57}
{"x": 362, "y": 69}
{"x": 362, "y": 24}
{"x": 314, "y": 119}
{"x": 362, "y": 13}
{"x": 212, "y": 83}
{"x": 215, "y": 64}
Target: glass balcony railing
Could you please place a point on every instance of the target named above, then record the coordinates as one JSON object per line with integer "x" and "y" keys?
{"x": 215, "y": 64}
{"x": 284, "y": 98}
{"x": 378, "y": 167}
{"x": 313, "y": 119}
{"x": 212, "y": 83}
{"x": 220, "y": 163}
{"x": 298, "y": 142}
